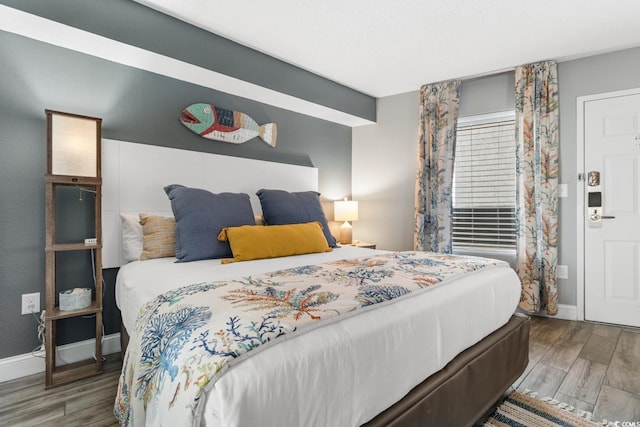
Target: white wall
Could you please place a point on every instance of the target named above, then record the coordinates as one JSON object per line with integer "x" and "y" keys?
{"x": 383, "y": 167}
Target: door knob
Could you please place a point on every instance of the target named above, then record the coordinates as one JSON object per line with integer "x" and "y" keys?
{"x": 597, "y": 217}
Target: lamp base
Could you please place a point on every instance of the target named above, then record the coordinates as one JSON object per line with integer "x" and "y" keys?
{"x": 345, "y": 233}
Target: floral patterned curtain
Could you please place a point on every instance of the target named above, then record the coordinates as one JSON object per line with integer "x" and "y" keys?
{"x": 537, "y": 183}
{"x": 436, "y": 146}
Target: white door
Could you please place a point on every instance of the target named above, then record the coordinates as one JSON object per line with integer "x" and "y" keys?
{"x": 612, "y": 235}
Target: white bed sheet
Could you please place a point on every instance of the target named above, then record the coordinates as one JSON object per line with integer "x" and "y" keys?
{"x": 343, "y": 373}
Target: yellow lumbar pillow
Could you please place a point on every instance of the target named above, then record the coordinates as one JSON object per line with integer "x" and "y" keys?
{"x": 257, "y": 241}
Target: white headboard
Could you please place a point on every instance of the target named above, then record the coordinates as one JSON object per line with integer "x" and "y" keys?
{"x": 133, "y": 177}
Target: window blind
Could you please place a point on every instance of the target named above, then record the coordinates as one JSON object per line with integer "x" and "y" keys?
{"x": 484, "y": 185}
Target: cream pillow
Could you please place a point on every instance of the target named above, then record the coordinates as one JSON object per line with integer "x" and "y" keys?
{"x": 131, "y": 237}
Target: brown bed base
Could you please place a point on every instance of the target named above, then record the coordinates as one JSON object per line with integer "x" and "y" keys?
{"x": 470, "y": 385}
{"x": 465, "y": 390}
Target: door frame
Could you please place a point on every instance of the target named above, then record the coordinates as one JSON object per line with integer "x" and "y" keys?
{"x": 580, "y": 173}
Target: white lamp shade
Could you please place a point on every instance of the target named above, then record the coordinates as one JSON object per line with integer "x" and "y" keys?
{"x": 345, "y": 210}
{"x": 74, "y": 145}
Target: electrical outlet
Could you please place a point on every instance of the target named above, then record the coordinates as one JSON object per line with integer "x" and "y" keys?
{"x": 31, "y": 303}
{"x": 562, "y": 272}
{"x": 90, "y": 242}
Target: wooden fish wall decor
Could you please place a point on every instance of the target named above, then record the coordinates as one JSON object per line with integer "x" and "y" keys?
{"x": 219, "y": 124}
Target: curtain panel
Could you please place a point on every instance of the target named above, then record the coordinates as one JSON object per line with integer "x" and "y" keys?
{"x": 439, "y": 105}
{"x": 537, "y": 137}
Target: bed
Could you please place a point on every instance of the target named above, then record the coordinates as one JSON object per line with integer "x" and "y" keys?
{"x": 440, "y": 355}
{"x": 435, "y": 326}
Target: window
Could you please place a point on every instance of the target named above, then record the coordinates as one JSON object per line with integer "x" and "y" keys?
{"x": 484, "y": 183}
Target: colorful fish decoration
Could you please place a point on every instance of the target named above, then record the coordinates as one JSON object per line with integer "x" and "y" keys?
{"x": 224, "y": 125}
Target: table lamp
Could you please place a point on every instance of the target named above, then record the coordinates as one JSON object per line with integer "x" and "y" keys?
{"x": 345, "y": 210}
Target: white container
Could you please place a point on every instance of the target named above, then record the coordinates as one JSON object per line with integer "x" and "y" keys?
{"x": 74, "y": 299}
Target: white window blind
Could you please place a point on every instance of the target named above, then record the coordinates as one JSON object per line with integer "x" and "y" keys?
{"x": 484, "y": 185}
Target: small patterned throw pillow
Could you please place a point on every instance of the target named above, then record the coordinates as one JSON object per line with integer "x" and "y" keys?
{"x": 159, "y": 237}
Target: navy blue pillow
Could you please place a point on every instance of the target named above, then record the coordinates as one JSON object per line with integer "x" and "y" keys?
{"x": 281, "y": 207}
{"x": 200, "y": 215}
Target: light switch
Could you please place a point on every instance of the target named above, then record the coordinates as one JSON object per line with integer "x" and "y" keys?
{"x": 562, "y": 272}
{"x": 563, "y": 190}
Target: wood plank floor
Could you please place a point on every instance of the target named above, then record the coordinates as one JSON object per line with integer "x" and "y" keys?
{"x": 88, "y": 402}
{"x": 591, "y": 366}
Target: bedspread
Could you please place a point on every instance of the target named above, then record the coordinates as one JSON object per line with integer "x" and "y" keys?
{"x": 186, "y": 338}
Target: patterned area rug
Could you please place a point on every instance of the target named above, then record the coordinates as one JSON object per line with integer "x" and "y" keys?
{"x": 525, "y": 410}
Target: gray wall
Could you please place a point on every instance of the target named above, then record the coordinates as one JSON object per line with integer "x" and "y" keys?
{"x": 135, "y": 106}
{"x": 137, "y": 25}
{"x": 393, "y": 139}
{"x": 487, "y": 95}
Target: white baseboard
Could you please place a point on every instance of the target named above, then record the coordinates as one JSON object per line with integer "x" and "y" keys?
{"x": 29, "y": 364}
{"x": 565, "y": 312}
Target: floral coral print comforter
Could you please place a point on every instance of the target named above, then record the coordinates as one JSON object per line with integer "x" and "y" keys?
{"x": 186, "y": 338}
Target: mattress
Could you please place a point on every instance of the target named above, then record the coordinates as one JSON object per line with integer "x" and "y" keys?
{"x": 343, "y": 374}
